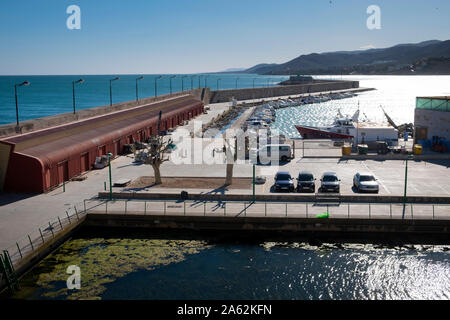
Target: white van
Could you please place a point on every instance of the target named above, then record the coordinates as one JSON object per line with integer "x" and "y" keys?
{"x": 274, "y": 152}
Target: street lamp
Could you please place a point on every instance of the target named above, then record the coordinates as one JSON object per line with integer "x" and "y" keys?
{"x": 137, "y": 95}
{"x": 236, "y": 82}
{"x": 192, "y": 82}
{"x": 110, "y": 89}
{"x": 218, "y": 84}
{"x": 73, "y": 92}
{"x": 109, "y": 155}
{"x": 409, "y": 157}
{"x": 25, "y": 83}
{"x": 156, "y": 88}
{"x": 182, "y": 82}
{"x": 171, "y": 83}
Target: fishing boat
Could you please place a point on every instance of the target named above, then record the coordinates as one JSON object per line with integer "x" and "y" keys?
{"x": 349, "y": 128}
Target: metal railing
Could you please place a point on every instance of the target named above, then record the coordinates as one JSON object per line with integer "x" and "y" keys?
{"x": 46, "y": 233}
{"x": 271, "y": 209}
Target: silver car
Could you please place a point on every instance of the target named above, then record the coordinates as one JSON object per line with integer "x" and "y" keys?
{"x": 366, "y": 182}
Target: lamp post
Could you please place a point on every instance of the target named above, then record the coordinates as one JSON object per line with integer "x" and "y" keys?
{"x": 171, "y": 83}
{"x": 25, "y": 83}
{"x": 218, "y": 83}
{"x": 137, "y": 95}
{"x": 110, "y": 89}
{"x": 192, "y": 82}
{"x": 409, "y": 157}
{"x": 109, "y": 154}
{"x": 237, "y": 79}
{"x": 73, "y": 92}
{"x": 182, "y": 82}
{"x": 156, "y": 87}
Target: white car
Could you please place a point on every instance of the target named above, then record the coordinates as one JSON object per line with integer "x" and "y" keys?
{"x": 366, "y": 182}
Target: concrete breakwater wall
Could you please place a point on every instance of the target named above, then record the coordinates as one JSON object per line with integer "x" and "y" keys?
{"x": 258, "y": 93}
{"x": 413, "y": 231}
{"x": 59, "y": 119}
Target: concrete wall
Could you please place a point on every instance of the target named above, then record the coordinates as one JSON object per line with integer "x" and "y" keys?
{"x": 258, "y": 93}
{"x": 437, "y": 123}
{"x": 46, "y": 122}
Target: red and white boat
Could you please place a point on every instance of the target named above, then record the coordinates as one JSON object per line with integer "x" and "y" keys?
{"x": 346, "y": 128}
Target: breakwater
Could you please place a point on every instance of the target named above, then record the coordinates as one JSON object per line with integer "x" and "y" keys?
{"x": 278, "y": 91}
{"x": 64, "y": 118}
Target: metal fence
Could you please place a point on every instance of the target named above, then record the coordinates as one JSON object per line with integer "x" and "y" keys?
{"x": 46, "y": 233}
{"x": 271, "y": 209}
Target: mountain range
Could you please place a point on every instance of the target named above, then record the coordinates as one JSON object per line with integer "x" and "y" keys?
{"x": 428, "y": 57}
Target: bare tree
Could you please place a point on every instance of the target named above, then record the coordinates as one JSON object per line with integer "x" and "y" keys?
{"x": 154, "y": 155}
{"x": 231, "y": 156}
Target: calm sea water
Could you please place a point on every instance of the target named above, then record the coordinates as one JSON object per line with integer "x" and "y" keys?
{"x": 50, "y": 95}
{"x": 123, "y": 268}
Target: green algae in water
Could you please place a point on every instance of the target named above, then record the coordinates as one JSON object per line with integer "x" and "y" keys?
{"x": 101, "y": 261}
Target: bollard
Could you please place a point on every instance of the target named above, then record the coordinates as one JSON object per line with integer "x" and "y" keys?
{"x": 64, "y": 186}
{"x": 104, "y": 185}
{"x": 145, "y": 208}
{"x": 126, "y": 205}
{"x": 433, "y": 211}
{"x": 390, "y": 206}
{"x": 286, "y": 209}
{"x": 306, "y": 205}
{"x": 84, "y": 203}
{"x": 265, "y": 209}
{"x": 185, "y": 207}
{"x": 412, "y": 214}
{"x": 369, "y": 210}
{"x": 348, "y": 211}
{"x": 164, "y": 207}
{"x": 204, "y": 208}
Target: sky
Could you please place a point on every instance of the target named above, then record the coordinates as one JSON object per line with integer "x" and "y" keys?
{"x": 193, "y": 36}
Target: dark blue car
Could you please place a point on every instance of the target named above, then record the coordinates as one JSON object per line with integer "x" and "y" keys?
{"x": 284, "y": 181}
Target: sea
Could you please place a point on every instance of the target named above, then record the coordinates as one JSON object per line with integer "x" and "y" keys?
{"x": 182, "y": 266}
{"x": 51, "y": 95}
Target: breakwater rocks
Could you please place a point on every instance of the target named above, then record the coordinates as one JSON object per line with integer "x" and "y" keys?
{"x": 225, "y": 119}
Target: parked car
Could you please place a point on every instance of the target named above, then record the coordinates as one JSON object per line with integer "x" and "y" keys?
{"x": 274, "y": 152}
{"x": 330, "y": 182}
{"x": 284, "y": 181}
{"x": 366, "y": 182}
{"x": 306, "y": 182}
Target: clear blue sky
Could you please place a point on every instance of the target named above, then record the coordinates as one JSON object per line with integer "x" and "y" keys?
{"x": 190, "y": 36}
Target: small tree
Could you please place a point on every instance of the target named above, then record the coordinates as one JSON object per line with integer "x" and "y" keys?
{"x": 231, "y": 157}
{"x": 154, "y": 155}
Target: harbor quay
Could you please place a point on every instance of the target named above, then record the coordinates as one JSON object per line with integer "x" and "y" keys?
{"x": 194, "y": 196}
